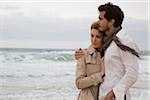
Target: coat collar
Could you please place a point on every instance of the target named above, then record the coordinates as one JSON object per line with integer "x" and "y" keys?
{"x": 91, "y": 50}
{"x": 121, "y": 33}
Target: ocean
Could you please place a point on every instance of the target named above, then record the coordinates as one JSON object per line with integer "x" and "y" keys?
{"x": 49, "y": 74}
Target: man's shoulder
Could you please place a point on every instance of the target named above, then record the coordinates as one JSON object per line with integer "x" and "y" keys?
{"x": 126, "y": 39}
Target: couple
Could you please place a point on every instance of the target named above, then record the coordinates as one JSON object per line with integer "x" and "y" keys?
{"x": 109, "y": 77}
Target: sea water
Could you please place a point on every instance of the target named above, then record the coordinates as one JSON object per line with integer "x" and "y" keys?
{"x": 49, "y": 74}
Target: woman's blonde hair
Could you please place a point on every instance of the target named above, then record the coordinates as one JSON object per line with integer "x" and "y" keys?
{"x": 95, "y": 25}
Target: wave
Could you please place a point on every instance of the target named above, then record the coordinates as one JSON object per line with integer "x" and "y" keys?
{"x": 26, "y": 55}
{"x": 46, "y": 55}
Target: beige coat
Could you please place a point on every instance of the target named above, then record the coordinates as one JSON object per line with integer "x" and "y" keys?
{"x": 88, "y": 74}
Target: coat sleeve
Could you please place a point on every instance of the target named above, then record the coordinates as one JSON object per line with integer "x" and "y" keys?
{"x": 84, "y": 81}
{"x": 130, "y": 63}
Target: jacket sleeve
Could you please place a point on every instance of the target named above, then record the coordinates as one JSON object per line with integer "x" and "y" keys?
{"x": 130, "y": 63}
{"x": 84, "y": 81}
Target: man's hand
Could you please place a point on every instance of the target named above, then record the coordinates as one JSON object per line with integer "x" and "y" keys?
{"x": 110, "y": 96}
{"x": 79, "y": 53}
{"x": 102, "y": 67}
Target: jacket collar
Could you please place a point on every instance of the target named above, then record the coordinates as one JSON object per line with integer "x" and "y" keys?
{"x": 121, "y": 33}
{"x": 91, "y": 50}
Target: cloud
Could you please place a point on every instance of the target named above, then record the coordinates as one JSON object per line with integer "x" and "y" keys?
{"x": 65, "y": 22}
{"x": 9, "y": 7}
{"x": 73, "y": 30}
{"x": 58, "y": 9}
{"x": 45, "y": 28}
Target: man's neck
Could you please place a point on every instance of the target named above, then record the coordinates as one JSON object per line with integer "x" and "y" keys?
{"x": 110, "y": 31}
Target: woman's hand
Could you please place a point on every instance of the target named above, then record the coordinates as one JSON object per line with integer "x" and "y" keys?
{"x": 78, "y": 54}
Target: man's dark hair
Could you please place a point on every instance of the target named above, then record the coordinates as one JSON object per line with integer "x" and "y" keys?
{"x": 112, "y": 12}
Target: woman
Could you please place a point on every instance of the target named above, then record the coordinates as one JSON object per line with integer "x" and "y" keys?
{"x": 90, "y": 67}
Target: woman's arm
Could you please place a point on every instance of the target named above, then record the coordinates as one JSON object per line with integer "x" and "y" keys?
{"x": 84, "y": 81}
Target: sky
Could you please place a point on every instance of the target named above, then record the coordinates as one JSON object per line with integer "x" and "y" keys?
{"x": 64, "y": 24}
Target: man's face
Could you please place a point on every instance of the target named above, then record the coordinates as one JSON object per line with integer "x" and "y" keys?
{"x": 103, "y": 22}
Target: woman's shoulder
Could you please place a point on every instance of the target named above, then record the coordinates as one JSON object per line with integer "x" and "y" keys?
{"x": 86, "y": 51}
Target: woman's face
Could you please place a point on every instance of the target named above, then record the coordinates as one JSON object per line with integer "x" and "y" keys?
{"x": 96, "y": 38}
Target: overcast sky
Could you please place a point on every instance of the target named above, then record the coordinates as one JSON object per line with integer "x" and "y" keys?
{"x": 55, "y": 24}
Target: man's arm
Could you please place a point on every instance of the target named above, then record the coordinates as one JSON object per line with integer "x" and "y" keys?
{"x": 110, "y": 95}
{"x": 130, "y": 63}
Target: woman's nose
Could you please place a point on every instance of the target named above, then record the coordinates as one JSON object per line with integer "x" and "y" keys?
{"x": 94, "y": 39}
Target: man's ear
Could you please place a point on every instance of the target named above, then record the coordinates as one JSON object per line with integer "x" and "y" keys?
{"x": 112, "y": 21}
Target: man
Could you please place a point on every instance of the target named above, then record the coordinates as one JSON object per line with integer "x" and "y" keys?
{"x": 120, "y": 55}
